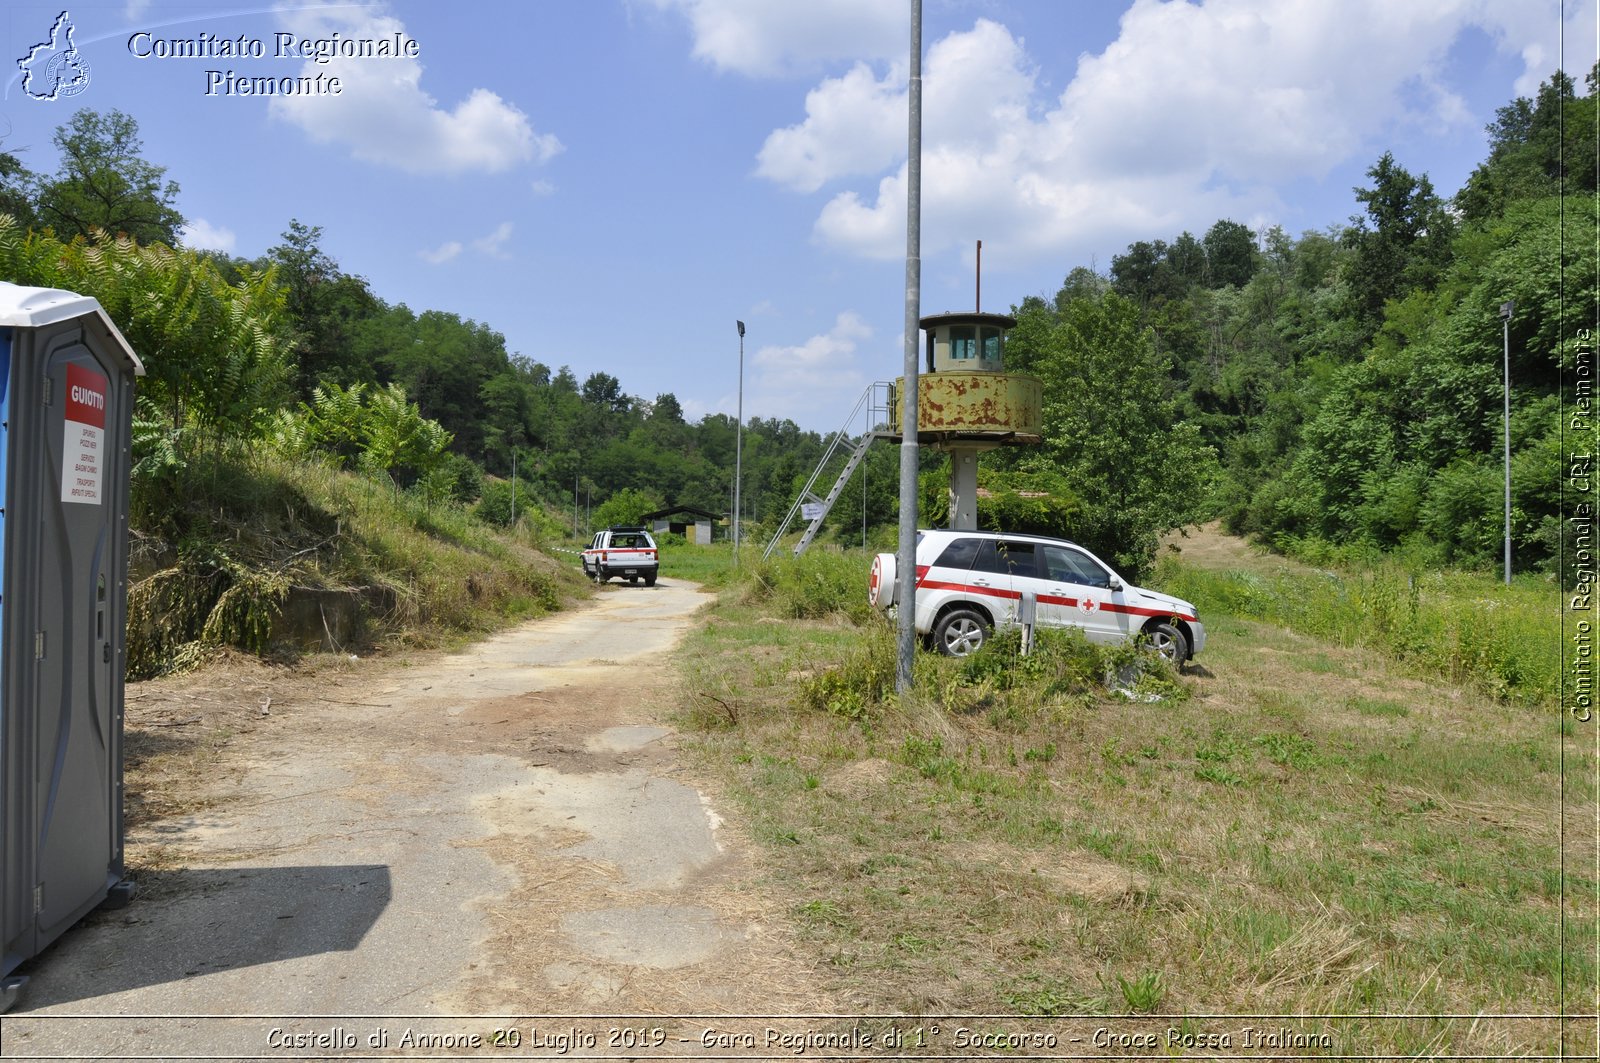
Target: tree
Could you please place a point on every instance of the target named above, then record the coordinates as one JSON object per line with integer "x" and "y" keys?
{"x": 328, "y": 309}
{"x": 1144, "y": 273}
{"x": 667, "y": 409}
{"x": 17, "y": 190}
{"x": 627, "y": 506}
{"x": 603, "y": 389}
{"x": 1113, "y": 429}
{"x": 104, "y": 183}
{"x": 1230, "y": 254}
{"x": 1536, "y": 148}
{"x": 1402, "y": 242}
{"x": 1081, "y": 283}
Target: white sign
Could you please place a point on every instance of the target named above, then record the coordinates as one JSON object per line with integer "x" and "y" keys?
{"x": 810, "y": 510}
{"x": 83, "y": 438}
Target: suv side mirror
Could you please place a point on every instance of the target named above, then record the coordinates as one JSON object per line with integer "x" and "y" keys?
{"x": 1114, "y": 586}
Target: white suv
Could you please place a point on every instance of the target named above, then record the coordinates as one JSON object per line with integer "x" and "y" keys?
{"x": 969, "y": 583}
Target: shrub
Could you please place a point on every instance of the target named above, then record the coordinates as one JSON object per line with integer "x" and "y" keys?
{"x": 821, "y": 583}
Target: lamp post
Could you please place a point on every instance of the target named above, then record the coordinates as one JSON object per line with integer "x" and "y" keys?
{"x": 1505, "y": 323}
{"x": 738, "y": 451}
{"x": 906, "y": 550}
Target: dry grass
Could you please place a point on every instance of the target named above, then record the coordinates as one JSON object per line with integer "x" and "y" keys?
{"x": 1314, "y": 830}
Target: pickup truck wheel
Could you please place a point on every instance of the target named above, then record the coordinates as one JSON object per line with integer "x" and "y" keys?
{"x": 650, "y": 579}
{"x": 960, "y": 632}
{"x": 600, "y": 575}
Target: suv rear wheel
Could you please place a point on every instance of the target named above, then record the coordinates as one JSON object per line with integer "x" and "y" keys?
{"x": 960, "y": 632}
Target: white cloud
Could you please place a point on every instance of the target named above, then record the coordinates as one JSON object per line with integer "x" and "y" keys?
{"x": 855, "y": 124}
{"x": 812, "y": 381}
{"x": 443, "y": 253}
{"x": 493, "y": 245}
{"x": 201, "y": 234}
{"x": 1536, "y": 36}
{"x": 766, "y": 38}
{"x": 543, "y": 188}
{"x": 824, "y": 351}
{"x": 384, "y": 116}
{"x": 1196, "y": 111}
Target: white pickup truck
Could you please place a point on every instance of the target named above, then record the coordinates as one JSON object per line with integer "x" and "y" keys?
{"x": 623, "y": 551}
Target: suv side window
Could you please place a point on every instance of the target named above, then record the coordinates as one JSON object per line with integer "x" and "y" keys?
{"x": 1071, "y": 566}
{"x": 1006, "y": 559}
{"x": 960, "y": 553}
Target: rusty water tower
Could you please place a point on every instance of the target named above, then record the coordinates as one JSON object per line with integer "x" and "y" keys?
{"x": 967, "y": 403}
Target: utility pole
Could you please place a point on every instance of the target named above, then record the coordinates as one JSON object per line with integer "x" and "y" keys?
{"x": 738, "y": 451}
{"x": 1505, "y": 321}
{"x": 906, "y": 555}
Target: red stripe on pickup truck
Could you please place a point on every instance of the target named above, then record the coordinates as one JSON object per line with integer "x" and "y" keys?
{"x": 605, "y": 555}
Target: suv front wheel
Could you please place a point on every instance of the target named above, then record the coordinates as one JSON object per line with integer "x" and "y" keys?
{"x": 1168, "y": 642}
{"x": 960, "y": 632}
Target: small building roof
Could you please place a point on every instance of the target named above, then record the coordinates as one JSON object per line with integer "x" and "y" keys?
{"x": 674, "y": 510}
{"x": 967, "y": 317}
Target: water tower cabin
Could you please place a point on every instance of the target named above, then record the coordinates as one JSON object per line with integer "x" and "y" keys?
{"x": 965, "y": 341}
{"x": 967, "y": 403}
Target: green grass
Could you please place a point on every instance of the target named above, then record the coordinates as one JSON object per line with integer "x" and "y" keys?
{"x": 710, "y": 566}
{"x": 1461, "y": 626}
{"x": 1301, "y": 827}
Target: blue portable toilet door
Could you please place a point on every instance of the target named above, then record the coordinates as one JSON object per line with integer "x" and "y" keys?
{"x": 81, "y": 503}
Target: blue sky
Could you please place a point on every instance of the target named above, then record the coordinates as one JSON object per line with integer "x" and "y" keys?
{"x": 611, "y": 183}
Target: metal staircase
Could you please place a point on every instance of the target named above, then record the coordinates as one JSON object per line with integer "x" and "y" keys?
{"x": 875, "y": 400}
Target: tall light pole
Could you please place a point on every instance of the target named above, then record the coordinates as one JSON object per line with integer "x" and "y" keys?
{"x": 1505, "y": 323}
{"x": 906, "y": 553}
{"x": 738, "y": 451}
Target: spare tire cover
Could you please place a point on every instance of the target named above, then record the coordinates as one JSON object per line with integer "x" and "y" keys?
{"x": 881, "y": 583}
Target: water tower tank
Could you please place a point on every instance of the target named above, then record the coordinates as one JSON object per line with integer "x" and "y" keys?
{"x": 965, "y": 396}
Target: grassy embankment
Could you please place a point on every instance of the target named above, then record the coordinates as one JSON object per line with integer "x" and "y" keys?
{"x": 220, "y": 548}
{"x": 1304, "y": 826}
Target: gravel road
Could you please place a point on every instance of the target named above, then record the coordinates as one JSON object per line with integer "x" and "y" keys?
{"x": 444, "y": 848}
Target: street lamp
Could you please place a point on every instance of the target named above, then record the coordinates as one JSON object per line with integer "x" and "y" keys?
{"x": 738, "y": 450}
{"x": 1505, "y": 322}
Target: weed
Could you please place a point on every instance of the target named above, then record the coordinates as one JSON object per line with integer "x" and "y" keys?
{"x": 1290, "y": 751}
{"x": 858, "y": 685}
{"x": 1218, "y": 774}
{"x": 1052, "y": 998}
{"x": 1144, "y": 993}
{"x": 824, "y": 913}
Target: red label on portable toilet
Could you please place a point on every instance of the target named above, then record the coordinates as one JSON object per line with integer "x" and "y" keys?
{"x": 84, "y": 438}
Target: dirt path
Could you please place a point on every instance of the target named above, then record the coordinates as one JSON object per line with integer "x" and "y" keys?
{"x": 504, "y": 831}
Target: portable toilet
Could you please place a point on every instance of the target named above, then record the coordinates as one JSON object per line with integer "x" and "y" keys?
{"x": 66, "y": 410}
